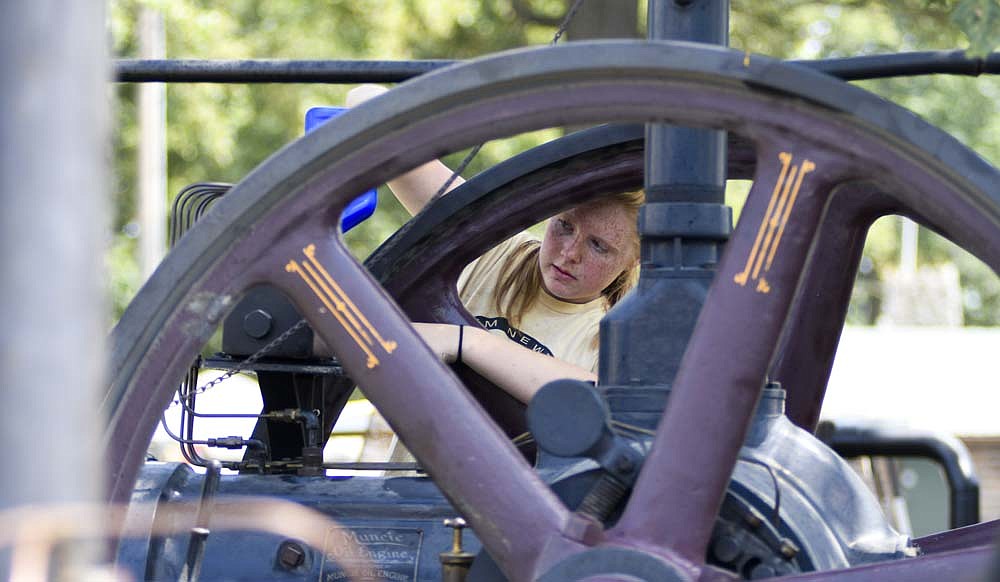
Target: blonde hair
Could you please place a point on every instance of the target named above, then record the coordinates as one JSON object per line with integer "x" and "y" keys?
{"x": 520, "y": 278}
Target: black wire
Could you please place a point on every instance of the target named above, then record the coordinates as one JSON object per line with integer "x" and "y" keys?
{"x": 775, "y": 517}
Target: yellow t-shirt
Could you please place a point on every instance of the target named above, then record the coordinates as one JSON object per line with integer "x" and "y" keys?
{"x": 567, "y": 331}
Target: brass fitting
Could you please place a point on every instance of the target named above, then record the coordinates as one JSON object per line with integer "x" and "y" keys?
{"x": 455, "y": 563}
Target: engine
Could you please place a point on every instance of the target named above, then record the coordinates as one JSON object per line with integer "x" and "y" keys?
{"x": 792, "y": 505}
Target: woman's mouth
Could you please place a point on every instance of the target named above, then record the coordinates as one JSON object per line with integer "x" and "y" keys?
{"x": 562, "y": 273}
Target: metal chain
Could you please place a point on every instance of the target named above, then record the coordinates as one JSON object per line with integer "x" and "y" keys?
{"x": 475, "y": 151}
{"x": 566, "y": 20}
{"x": 244, "y": 364}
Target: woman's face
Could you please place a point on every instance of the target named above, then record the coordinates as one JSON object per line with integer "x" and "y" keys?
{"x": 585, "y": 249}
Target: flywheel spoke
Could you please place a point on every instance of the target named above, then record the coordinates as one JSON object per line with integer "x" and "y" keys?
{"x": 678, "y": 494}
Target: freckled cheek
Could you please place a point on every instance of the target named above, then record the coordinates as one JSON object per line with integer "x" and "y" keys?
{"x": 548, "y": 252}
{"x": 603, "y": 271}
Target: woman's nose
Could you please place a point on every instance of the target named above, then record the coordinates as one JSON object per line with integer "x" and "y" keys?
{"x": 571, "y": 250}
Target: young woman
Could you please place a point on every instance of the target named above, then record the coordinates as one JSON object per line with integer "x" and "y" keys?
{"x": 539, "y": 302}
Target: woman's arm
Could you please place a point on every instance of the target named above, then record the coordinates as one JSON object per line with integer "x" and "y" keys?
{"x": 415, "y": 188}
{"x": 519, "y": 371}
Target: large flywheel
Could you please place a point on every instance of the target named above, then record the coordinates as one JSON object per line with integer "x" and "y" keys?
{"x": 814, "y": 137}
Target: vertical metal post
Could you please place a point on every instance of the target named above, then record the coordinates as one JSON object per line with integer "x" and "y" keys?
{"x": 53, "y": 184}
{"x": 152, "y": 149}
{"x": 684, "y": 164}
{"x": 683, "y": 226}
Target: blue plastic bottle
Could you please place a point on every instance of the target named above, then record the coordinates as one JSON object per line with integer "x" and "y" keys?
{"x": 359, "y": 209}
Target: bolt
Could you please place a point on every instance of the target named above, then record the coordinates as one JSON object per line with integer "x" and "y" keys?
{"x": 788, "y": 549}
{"x": 291, "y": 555}
{"x": 726, "y": 549}
{"x": 257, "y": 323}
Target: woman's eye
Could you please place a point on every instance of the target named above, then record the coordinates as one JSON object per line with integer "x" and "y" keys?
{"x": 599, "y": 246}
{"x": 564, "y": 226}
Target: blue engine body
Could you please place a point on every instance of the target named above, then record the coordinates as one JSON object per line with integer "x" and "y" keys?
{"x": 825, "y": 510}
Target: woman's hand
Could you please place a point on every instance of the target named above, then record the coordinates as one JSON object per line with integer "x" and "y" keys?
{"x": 362, "y": 93}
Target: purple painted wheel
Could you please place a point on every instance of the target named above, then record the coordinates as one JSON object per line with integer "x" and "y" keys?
{"x": 813, "y": 136}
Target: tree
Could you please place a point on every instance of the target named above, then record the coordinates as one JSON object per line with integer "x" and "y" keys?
{"x": 220, "y": 132}
{"x": 601, "y": 19}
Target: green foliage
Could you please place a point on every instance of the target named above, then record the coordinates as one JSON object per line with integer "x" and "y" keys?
{"x": 968, "y": 108}
{"x": 783, "y": 28}
{"x": 221, "y": 132}
{"x": 124, "y": 276}
{"x": 980, "y": 21}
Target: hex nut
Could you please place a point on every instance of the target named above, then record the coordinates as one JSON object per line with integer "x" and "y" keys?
{"x": 291, "y": 555}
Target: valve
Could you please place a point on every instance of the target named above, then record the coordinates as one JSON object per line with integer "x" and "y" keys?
{"x": 456, "y": 562}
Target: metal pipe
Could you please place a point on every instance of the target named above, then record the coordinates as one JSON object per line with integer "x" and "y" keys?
{"x": 271, "y": 71}
{"x": 200, "y": 531}
{"x": 954, "y": 457}
{"x": 953, "y": 62}
{"x": 692, "y": 158}
{"x": 152, "y": 150}
{"x": 53, "y": 202}
{"x": 908, "y": 64}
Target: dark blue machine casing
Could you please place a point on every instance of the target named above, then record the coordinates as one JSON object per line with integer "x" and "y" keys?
{"x": 397, "y": 524}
